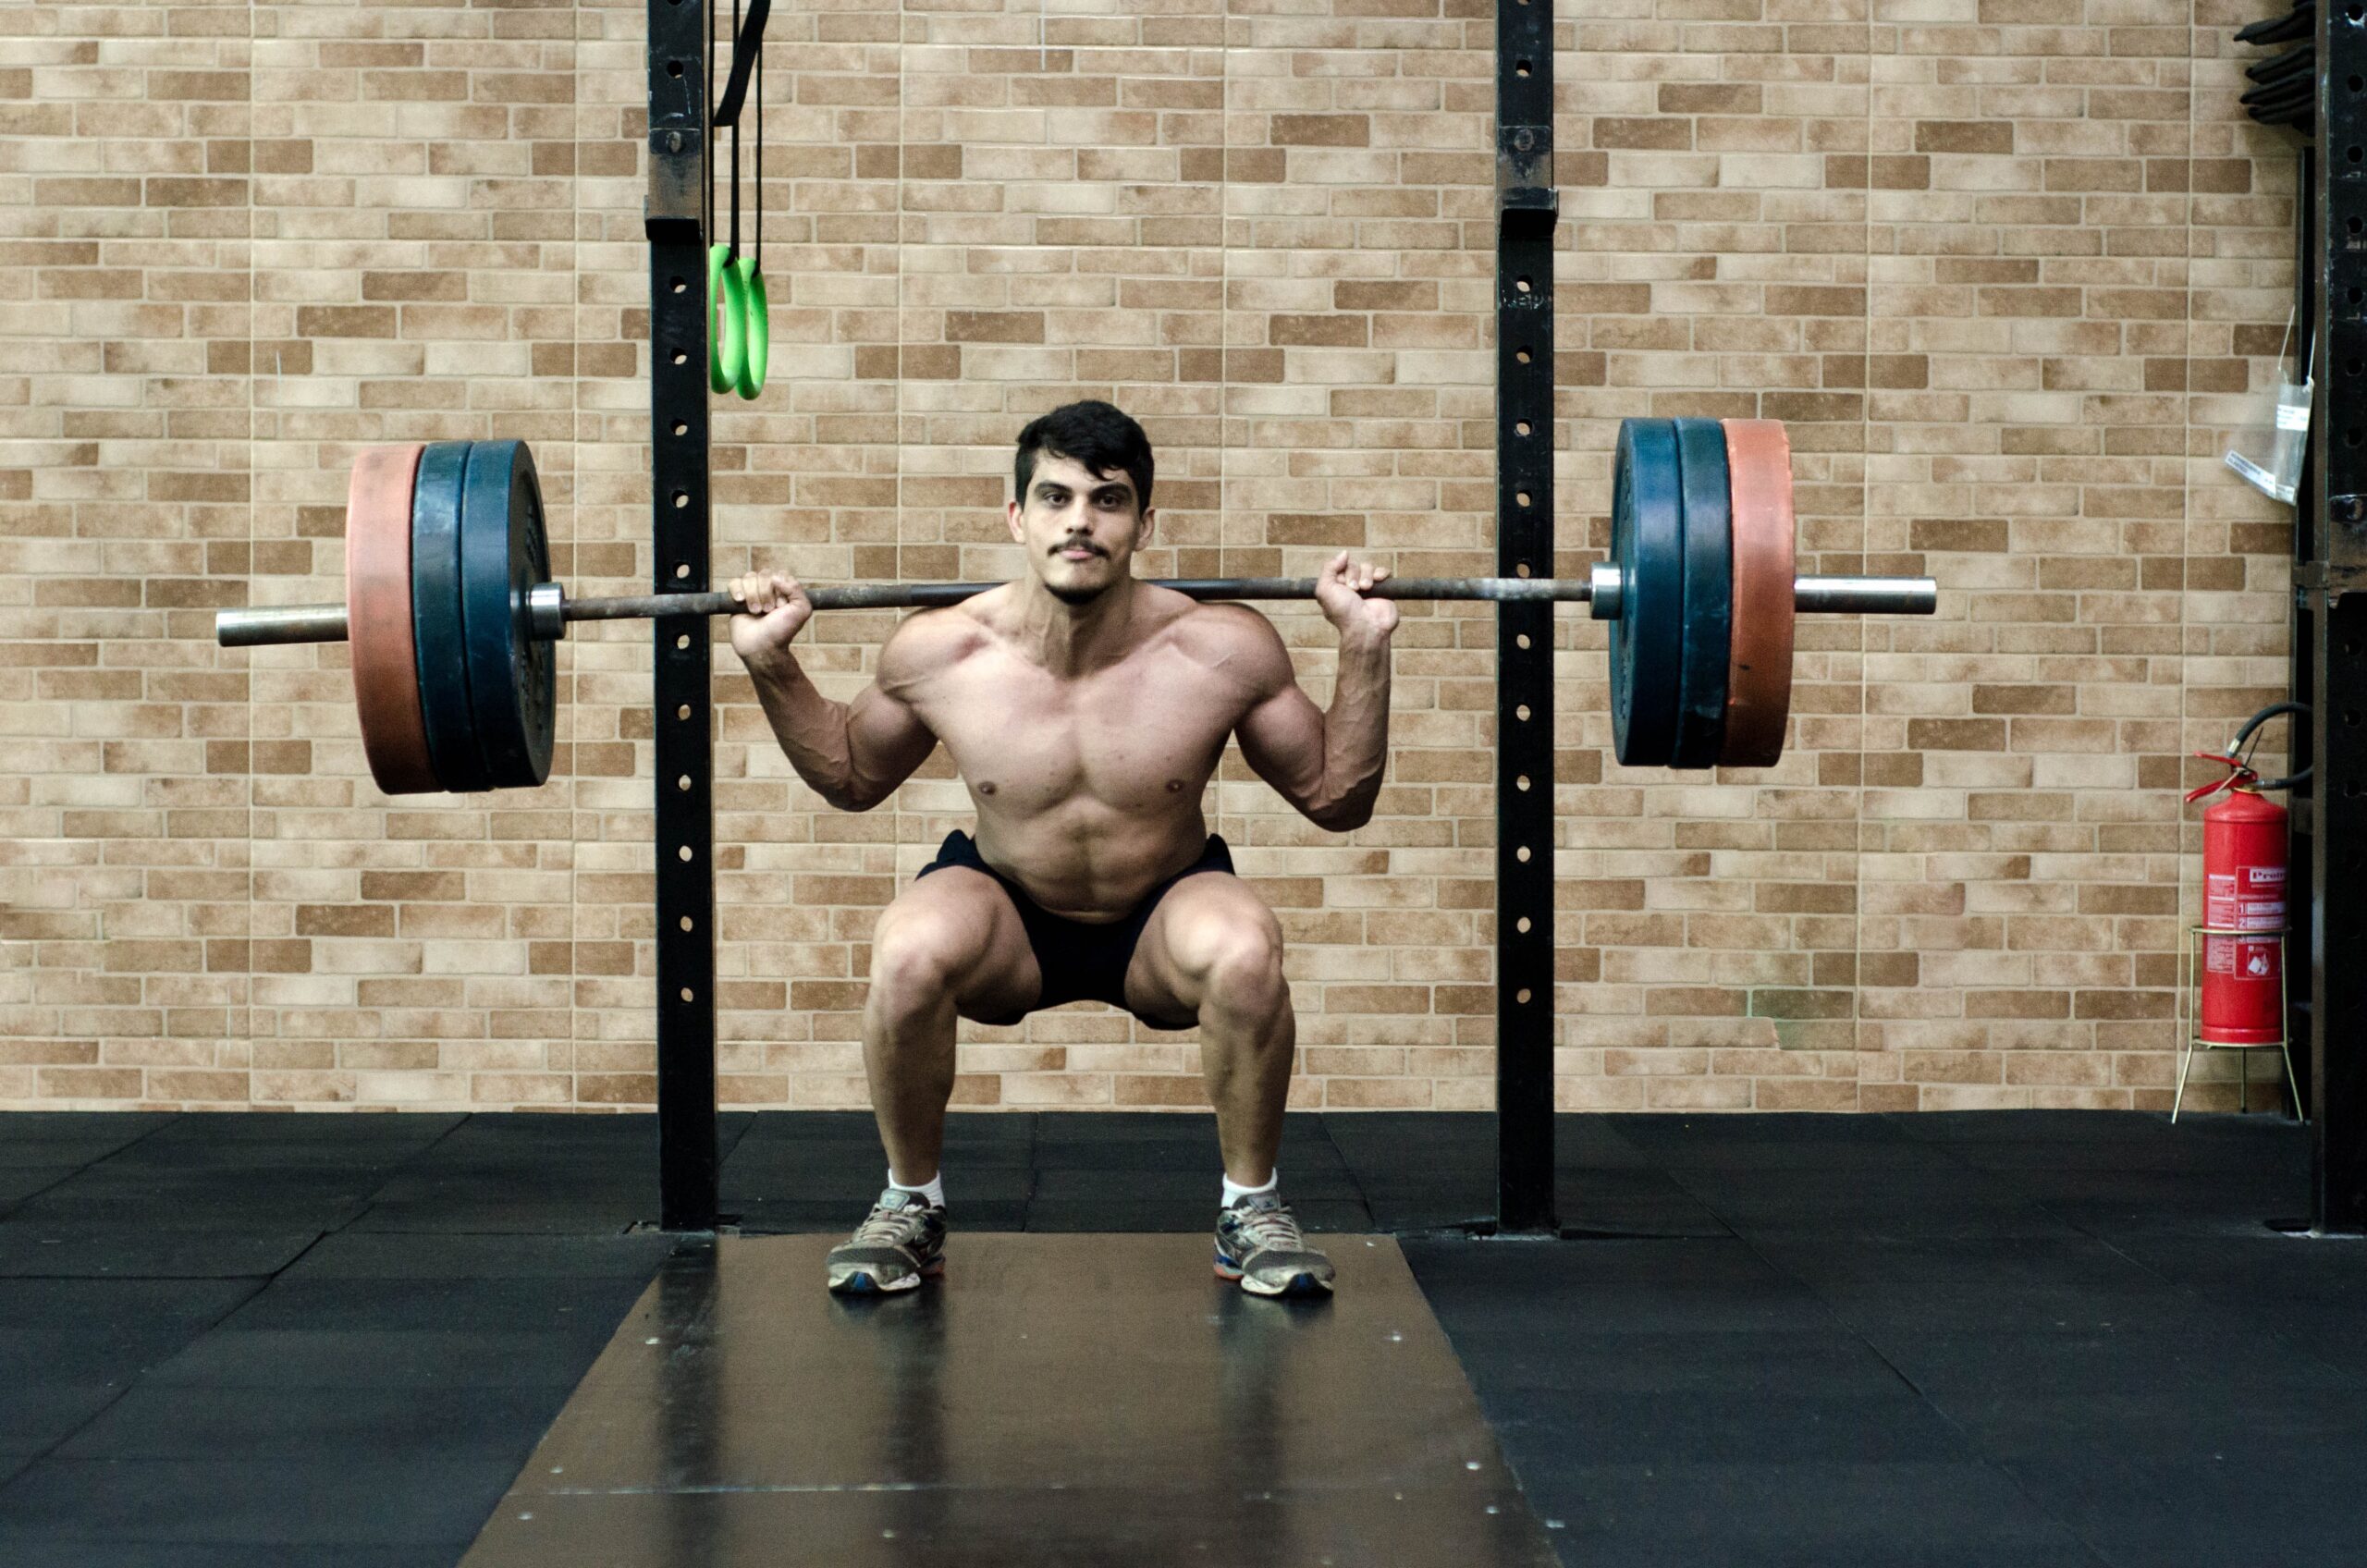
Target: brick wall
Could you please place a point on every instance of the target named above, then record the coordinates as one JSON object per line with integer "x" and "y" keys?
{"x": 2008, "y": 267}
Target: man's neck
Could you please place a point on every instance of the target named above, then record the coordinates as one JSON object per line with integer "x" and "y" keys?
{"x": 1071, "y": 640}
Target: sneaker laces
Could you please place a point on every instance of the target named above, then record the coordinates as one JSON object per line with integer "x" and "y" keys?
{"x": 893, "y": 1219}
{"x": 1268, "y": 1224}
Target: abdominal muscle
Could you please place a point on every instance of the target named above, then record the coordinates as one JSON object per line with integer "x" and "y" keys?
{"x": 1086, "y": 861}
{"x": 1087, "y": 787}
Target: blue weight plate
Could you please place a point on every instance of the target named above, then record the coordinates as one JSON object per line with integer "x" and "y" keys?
{"x": 436, "y": 617}
{"x": 1709, "y": 593}
{"x": 1647, "y": 545}
{"x": 503, "y": 552}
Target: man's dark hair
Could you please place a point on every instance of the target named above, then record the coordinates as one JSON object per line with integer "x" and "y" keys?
{"x": 1104, "y": 439}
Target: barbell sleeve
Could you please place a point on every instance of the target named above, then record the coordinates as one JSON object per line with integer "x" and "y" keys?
{"x": 1812, "y": 595}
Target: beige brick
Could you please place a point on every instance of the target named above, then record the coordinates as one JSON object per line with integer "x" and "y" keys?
{"x": 2003, "y": 274}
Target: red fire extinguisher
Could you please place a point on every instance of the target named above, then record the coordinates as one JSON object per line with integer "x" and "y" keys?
{"x": 2243, "y": 891}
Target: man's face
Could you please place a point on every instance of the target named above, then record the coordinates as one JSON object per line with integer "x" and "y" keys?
{"x": 1081, "y": 529}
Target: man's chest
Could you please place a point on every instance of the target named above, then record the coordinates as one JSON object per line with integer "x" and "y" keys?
{"x": 1146, "y": 730}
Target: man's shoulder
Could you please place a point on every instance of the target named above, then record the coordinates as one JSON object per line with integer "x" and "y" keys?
{"x": 931, "y": 640}
{"x": 1230, "y": 637}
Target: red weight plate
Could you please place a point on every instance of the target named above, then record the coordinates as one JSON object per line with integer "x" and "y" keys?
{"x": 1759, "y": 666}
{"x": 377, "y": 619}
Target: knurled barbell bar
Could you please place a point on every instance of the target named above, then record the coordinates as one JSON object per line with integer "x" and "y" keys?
{"x": 452, "y": 612}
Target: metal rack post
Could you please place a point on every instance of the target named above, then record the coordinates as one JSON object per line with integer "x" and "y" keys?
{"x": 1526, "y": 207}
{"x": 685, "y": 750}
{"x": 2335, "y": 581}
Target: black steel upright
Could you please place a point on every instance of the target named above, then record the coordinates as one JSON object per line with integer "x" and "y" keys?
{"x": 2335, "y": 584}
{"x": 2301, "y": 800}
{"x": 685, "y": 752}
{"x": 1526, "y": 207}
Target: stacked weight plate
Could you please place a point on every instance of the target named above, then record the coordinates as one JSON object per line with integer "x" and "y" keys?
{"x": 442, "y": 544}
{"x": 1701, "y": 649}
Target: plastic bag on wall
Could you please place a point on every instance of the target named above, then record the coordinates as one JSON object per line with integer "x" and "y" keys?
{"x": 2269, "y": 456}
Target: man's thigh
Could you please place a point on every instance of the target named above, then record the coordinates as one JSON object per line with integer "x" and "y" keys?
{"x": 1204, "y": 918}
{"x": 963, "y": 919}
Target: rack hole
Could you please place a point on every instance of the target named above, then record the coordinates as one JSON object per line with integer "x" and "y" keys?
{"x": 682, "y": 782}
{"x": 684, "y": 993}
{"x": 1521, "y": 855}
{"x": 681, "y": 427}
{"x": 1524, "y": 286}
{"x": 1520, "y": 427}
{"x": 686, "y": 923}
{"x": 2356, "y": 82}
{"x": 674, "y": 67}
{"x": 1522, "y": 994}
{"x": 1521, "y": 496}
{"x": 1521, "y": 570}
{"x": 1521, "y": 782}
{"x": 1520, "y": 640}
{"x": 2355, "y": 224}
{"x": 2354, "y": 153}
{"x": 681, "y": 358}
{"x": 681, "y": 499}
{"x": 1520, "y": 67}
{"x": 682, "y": 712}
{"x": 682, "y": 570}
{"x": 2350, "y": 437}
{"x": 1522, "y": 924}
{"x": 683, "y": 854}
{"x": 2353, "y": 367}
{"x": 1521, "y": 355}
{"x": 683, "y": 641}
{"x": 679, "y": 285}
{"x": 1521, "y": 713}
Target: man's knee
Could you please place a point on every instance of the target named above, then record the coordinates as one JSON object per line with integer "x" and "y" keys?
{"x": 916, "y": 962}
{"x": 1238, "y": 959}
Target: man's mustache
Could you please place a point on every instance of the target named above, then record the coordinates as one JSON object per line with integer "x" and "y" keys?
{"x": 1081, "y": 544}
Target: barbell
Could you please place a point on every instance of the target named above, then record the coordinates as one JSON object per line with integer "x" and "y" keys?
{"x": 452, "y": 612}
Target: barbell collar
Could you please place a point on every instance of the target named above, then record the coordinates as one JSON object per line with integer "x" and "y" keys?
{"x": 546, "y": 611}
{"x": 1606, "y": 586}
{"x": 549, "y": 610}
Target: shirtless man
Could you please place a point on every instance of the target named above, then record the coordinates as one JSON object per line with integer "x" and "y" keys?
{"x": 1086, "y": 712}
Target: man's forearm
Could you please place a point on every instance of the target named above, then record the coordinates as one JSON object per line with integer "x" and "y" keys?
{"x": 812, "y": 728}
{"x": 1356, "y": 732}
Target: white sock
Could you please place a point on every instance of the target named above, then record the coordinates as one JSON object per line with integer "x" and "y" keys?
{"x": 1235, "y": 1192}
{"x": 934, "y": 1192}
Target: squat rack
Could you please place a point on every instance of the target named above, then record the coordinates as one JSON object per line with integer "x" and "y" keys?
{"x": 2330, "y": 625}
{"x": 675, "y": 223}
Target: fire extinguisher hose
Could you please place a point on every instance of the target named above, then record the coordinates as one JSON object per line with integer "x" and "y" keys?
{"x": 2236, "y": 746}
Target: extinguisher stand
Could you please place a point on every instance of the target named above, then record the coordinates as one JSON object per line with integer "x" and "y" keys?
{"x": 2196, "y": 938}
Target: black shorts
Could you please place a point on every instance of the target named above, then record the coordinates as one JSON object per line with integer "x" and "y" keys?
{"x": 1081, "y": 961}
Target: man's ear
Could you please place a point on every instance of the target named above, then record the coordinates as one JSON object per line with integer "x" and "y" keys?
{"x": 1144, "y": 528}
{"x": 1011, "y": 514}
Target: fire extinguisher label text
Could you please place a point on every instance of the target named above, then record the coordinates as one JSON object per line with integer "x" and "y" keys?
{"x": 2258, "y": 905}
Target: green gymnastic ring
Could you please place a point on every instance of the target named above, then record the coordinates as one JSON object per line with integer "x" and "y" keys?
{"x": 728, "y": 305}
{"x": 758, "y": 339}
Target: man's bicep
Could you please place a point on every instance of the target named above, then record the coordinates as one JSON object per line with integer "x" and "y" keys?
{"x": 1282, "y": 730}
{"x": 1282, "y": 740}
{"x": 886, "y": 733}
{"x": 886, "y": 740}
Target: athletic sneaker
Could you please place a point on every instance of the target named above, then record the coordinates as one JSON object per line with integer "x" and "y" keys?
{"x": 1260, "y": 1244}
{"x": 897, "y": 1245}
